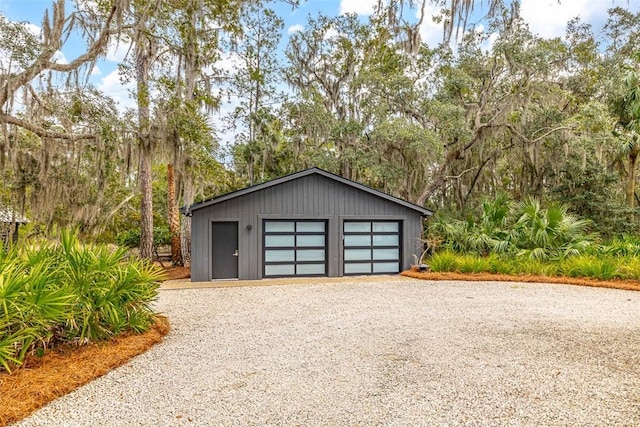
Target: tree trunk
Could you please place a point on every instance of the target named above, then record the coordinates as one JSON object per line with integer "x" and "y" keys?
{"x": 174, "y": 219}
{"x": 631, "y": 183}
{"x": 439, "y": 177}
{"x": 186, "y": 221}
{"x": 143, "y": 58}
{"x": 146, "y": 204}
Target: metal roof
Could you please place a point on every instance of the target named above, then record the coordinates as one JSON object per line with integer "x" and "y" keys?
{"x": 311, "y": 171}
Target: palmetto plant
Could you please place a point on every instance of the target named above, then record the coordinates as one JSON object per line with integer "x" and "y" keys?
{"x": 70, "y": 293}
{"x": 523, "y": 229}
{"x": 551, "y": 233}
{"x": 489, "y": 233}
{"x": 111, "y": 293}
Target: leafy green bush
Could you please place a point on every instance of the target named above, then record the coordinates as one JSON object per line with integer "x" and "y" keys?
{"x": 524, "y": 229}
{"x": 473, "y": 264}
{"x": 629, "y": 267}
{"x": 602, "y": 268}
{"x": 445, "y": 261}
{"x": 551, "y": 233}
{"x": 536, "y": 267}
{"x": 131, "y": 237}
{"x": 620, "y": 246}
{"x": 70, "y": 293}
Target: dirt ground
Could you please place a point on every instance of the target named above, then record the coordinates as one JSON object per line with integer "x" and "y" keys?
{"x": 175, "y": 273}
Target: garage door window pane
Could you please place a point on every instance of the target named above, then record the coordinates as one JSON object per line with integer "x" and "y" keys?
{"x": 310, "y": 227}
{"x": 351, "y": 268}
{"x": 279, "y": 270}
{"x": 386, "y": 240}
{"x": 357, "y": 240}
{"x": 279, "y": 256}
{"x": 279, "y": 227}
{"x": 386, "y": 254}
{"x": 310, "y": 269}
{"x": 278, "y": 241}
{"x": 385, "y": 227}
{"x": 312, "y": 240}
{"x": 357, "y": 227}
{"x": 357, "y": 254}
{"x": 385, "y": 267}
{"x": 311, "y": 255}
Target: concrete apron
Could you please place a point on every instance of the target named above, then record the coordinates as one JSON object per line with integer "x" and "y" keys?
{"x": 188, "y": 284}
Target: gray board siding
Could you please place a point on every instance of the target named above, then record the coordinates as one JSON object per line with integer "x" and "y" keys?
{"x": 312, "y": 196}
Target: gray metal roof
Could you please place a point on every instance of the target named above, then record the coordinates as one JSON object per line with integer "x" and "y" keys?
{"x": 9, "y": 215}
{"x": 301, "y": 174}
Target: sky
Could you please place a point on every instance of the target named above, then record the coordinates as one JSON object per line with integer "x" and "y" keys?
{"x": 546, "y": 18}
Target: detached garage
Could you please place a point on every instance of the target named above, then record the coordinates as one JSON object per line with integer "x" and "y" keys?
{"x": 310, "y": 223}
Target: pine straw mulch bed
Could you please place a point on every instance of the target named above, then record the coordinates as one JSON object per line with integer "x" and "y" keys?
{"x": 628, "y": 285}
{"x": 174, "y": 273}
{"x": 61, "y": 370}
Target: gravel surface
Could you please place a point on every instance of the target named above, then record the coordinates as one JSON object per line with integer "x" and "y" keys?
{"x": 395, "y": 353}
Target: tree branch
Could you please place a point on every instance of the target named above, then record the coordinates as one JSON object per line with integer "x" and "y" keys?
{"x": 41, "y": 132}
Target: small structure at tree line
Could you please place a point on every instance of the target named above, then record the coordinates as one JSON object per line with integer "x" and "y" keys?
{"x": 10, "y": 222}
{"x": 310, "y": 223}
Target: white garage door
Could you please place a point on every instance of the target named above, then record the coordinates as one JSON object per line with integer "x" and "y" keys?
{"x": 371, "y": 247}
{"x": 294, "y": 248}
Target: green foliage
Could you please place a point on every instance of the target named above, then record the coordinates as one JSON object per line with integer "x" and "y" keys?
{"x": 445, "y": 261}
{"x": 131, "y": 237}
{"x": 524, "y": 229}
{"x": 589, "y": 266}
{"x": 590, "y": 190}
{"x": 623, "y": 246}
{"x": 70, "y": 293}
{"x": 551, "y": 233}
{"x": 603, "y": 268}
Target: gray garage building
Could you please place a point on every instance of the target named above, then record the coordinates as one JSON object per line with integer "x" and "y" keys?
{"x": 310, "y": 223}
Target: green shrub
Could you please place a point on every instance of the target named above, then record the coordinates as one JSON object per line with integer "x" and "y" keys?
{"x": 445, "y": 261}
{"x": 131, "y": 237}
{"x": 473, "y": 264}
{"x": 500, "y": 265}
{"x": 524, "y": 229}
{"x": 603, "y": 268}
{"x": 70, "y": 293}
{"x": 621, "y": 247}
{"x": 629, "y": 267}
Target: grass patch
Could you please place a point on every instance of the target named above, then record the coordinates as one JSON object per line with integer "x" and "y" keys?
{"x": 602, "y": 268}
{"x": 598, "y": 267}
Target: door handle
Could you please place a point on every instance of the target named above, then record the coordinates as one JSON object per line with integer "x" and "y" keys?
{"x": 235, "y": 253}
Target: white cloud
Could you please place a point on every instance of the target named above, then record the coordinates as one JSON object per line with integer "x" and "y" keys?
{"x": 229, "y": 61}
{"x": 359, "y": 7}
{"x": 118, "y": 49}
{"x": 34, "y": 29}
{"x": 487, "y": 45}
{"x": 295, "y": 29}
{"x": 431, "y": 32}
{"x": 111, "y": 86}
{"x": 548, "y": 18}
{"x": 331, "y": 33}
{"x": 96, "y": 71}
{"x": 59, "y": 58}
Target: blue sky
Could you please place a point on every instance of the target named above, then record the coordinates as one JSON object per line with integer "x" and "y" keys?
{"x": 545, "y": 17}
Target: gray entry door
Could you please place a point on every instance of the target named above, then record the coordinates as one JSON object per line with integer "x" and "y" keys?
{"x": 224, "y": 251}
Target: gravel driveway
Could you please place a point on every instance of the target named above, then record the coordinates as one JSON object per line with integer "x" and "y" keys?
{"x": 395, "y": 352}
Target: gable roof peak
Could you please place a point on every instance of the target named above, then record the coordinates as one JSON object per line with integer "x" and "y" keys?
{"x": 187, "y": 210}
